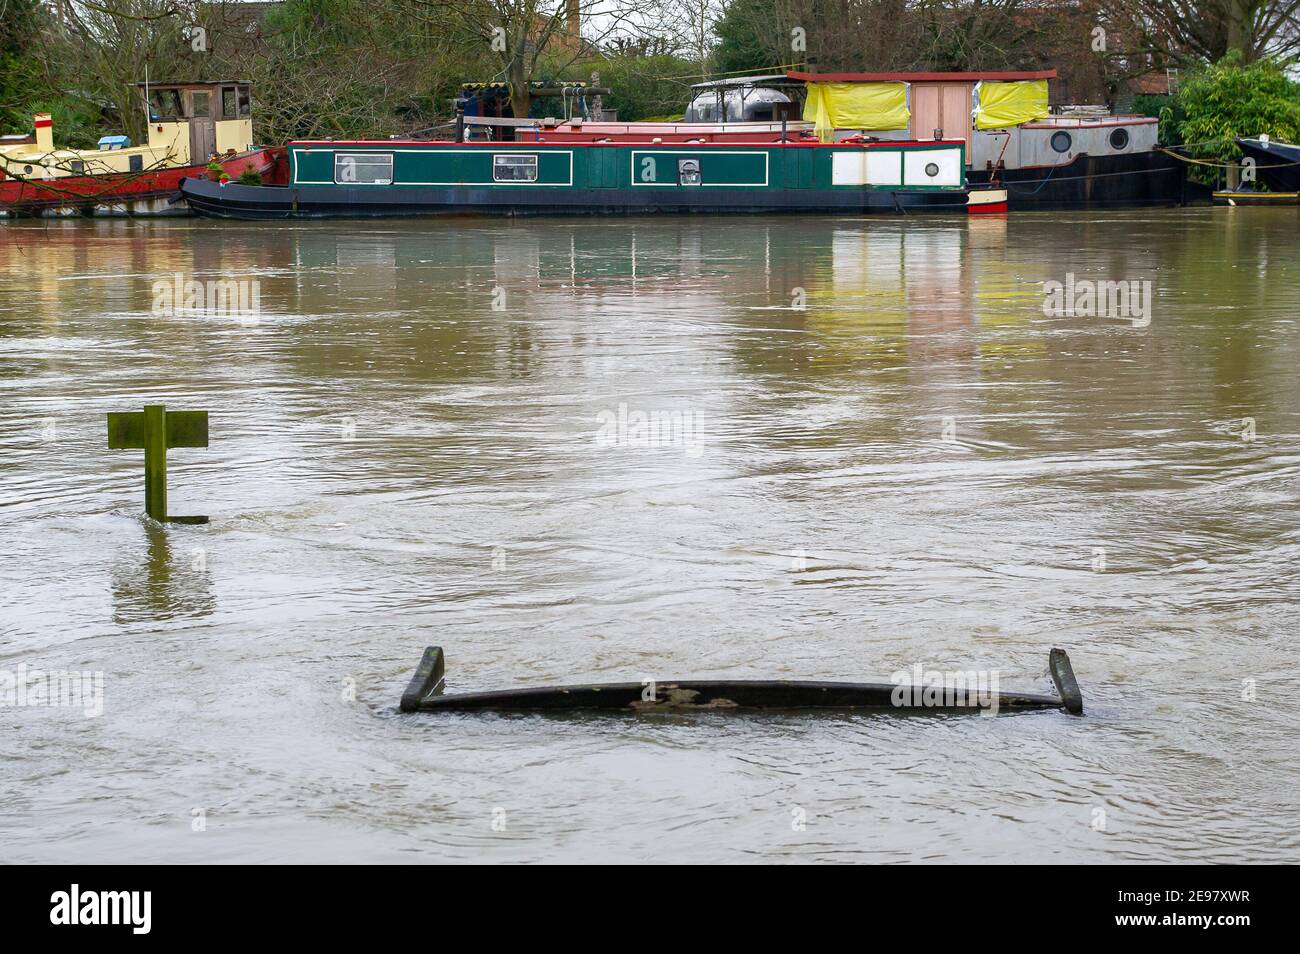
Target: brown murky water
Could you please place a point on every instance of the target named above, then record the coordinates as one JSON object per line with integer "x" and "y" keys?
{"x": 411, "y": 444}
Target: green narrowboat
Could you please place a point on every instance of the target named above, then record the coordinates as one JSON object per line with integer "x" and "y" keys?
{"x": 405, "y": 178}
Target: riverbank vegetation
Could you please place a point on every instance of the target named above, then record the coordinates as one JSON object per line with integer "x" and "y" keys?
{"x": 347, "y": 68}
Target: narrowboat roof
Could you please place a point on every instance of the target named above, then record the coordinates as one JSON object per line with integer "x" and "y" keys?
{"x": 920, "y": 77}
{"x": 528, "y": 144}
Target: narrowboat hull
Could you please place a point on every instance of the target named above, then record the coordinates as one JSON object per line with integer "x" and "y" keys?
{"x": 234, "y": 201}
{"x": 402, "y": 178}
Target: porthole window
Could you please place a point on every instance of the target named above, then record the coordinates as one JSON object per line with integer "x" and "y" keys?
{"x": 1118, "y": 138}
{"x": 1062, "y": 141}
{"x": 931, "y": 169}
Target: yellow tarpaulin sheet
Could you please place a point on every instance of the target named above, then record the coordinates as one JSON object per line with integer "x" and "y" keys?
{"x": 1009, "y": 104}
{"x": 834, "y": 106}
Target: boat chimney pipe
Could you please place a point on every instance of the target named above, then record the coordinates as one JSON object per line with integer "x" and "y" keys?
{"x": 44, "y": 123}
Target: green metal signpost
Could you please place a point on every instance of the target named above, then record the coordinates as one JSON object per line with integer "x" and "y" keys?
{"x": 155, "y": 430}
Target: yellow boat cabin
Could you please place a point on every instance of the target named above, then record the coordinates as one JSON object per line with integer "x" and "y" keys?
{"x": 189, "y": 124}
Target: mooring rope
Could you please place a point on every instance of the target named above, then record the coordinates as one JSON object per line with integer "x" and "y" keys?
{"x": 1046, "y": 179}
{"x": 1169, "y": 151}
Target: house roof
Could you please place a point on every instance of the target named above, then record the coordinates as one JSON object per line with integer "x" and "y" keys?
{"x": 921, "y": 77}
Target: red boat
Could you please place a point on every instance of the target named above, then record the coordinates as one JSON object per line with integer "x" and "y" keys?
{"x": 192, "y": 127}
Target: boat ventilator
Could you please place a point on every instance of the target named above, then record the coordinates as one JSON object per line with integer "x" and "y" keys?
{"x": 425, "y": 694}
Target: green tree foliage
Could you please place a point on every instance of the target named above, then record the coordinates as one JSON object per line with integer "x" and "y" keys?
{"x": 647, "y": 87}
{"x": 746, "y": 37}
{"x": 19, "y": 70}
{"x": 1229, "y": 99}
{"x": 1165, "y": 108}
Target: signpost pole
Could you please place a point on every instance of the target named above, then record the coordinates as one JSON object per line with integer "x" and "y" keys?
{"x": 155, "y": 461}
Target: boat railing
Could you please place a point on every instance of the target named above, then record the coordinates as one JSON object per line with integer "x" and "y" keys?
{"x": 1107, "y": 119}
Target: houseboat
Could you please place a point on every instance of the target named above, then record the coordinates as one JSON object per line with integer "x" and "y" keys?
{"x": 190, "y": 126}
{"x": 409, "y": 177}
{"x": 1067, "y": 158}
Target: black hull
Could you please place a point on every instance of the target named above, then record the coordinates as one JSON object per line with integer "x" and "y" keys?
{"x": 1276, "y": 163}
{"x": 425, "y": 693}
{"x": 1133, "y": 180}
{"x": 728, "y": 694}
{"x": 234, "y": 201}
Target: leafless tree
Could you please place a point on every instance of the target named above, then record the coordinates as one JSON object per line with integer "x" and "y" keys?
{"x": 530, "y": 38}
{"x": 1173, "y": 31}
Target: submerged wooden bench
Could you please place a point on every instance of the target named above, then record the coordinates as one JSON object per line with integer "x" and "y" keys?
{"x": 425, "y": 694}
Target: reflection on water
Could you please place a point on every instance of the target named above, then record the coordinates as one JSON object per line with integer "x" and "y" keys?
{"x": 900, "y": 459}
{"x": 170, "y": 581}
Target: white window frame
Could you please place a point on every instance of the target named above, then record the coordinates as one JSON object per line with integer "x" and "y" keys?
{"x": 356, "y": 156}
{"x": 497, "y": 164}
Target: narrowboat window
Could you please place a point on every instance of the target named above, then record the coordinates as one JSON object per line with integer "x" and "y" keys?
{"x": 78, "y": 165}
{"x": 1118, "y": 138}
{"x": 371, "y": 168}
{"x": 201, "y": 103}
{"x": 688, "y": 172}
{"x": 227, "y": 102}
{"x": 931, "y": 169}
{"x": 245, "y": 104}
{"x": 513, "y": 167}
{"x": 135, "y": 163}
{"x": 165, "y": 104}
{"x": 1061, "y": 141}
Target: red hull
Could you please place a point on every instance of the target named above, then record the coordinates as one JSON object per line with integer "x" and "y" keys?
{"x": 87, "y": 193}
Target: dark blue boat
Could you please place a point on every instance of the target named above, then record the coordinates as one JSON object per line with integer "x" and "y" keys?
{"x": 1277, "y": 164}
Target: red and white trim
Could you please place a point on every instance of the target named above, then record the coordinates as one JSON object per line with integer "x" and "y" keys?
{"x": 986, "y": 202}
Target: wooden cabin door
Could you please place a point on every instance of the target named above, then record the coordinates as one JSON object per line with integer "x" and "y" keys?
{"x": 203, "y": 130}
{"x": 927, "y": 110}
{"x": 954, "y": 116}
{"x": 944, "y": 106}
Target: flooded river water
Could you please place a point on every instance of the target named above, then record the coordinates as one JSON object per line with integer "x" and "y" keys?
{"x": 870, "y": 448}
